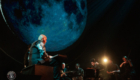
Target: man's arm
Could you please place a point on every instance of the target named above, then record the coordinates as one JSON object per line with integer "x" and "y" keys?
{"x": 116, "y": 70}
{"x": 122, "y": 64}
{"x": 97, "y": 65}
{"x": 108, "y": 72}
{"x": 62, "y": 73}
{"x": 41, "y": 46}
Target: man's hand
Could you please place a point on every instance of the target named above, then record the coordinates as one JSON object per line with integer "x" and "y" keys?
{"x": 109, "y": 72}
{"x": 63, "y": 74}
{"x": 122, "y": 64}
{"x": 50, "y": 56}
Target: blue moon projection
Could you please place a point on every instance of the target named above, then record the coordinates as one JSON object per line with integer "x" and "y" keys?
{"x": 62, "y": 21}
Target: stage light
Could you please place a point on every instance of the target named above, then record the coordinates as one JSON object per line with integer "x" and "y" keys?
{"x": 105, "y": 60}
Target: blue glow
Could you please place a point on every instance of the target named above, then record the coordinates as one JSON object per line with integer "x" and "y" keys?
{"x": 57, "y": 19}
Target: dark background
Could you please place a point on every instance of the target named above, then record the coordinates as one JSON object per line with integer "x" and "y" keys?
{"x": 112, "y": 30}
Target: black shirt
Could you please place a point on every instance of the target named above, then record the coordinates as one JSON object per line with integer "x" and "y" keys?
{"x": 112, "y": 67}
{"x": 96, "y": 66}
{"x": 79, "y": 72}
{"x": 126, "y": 69}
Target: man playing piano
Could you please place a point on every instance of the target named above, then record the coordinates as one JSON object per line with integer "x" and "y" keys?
{"x": 38, "y": 55}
